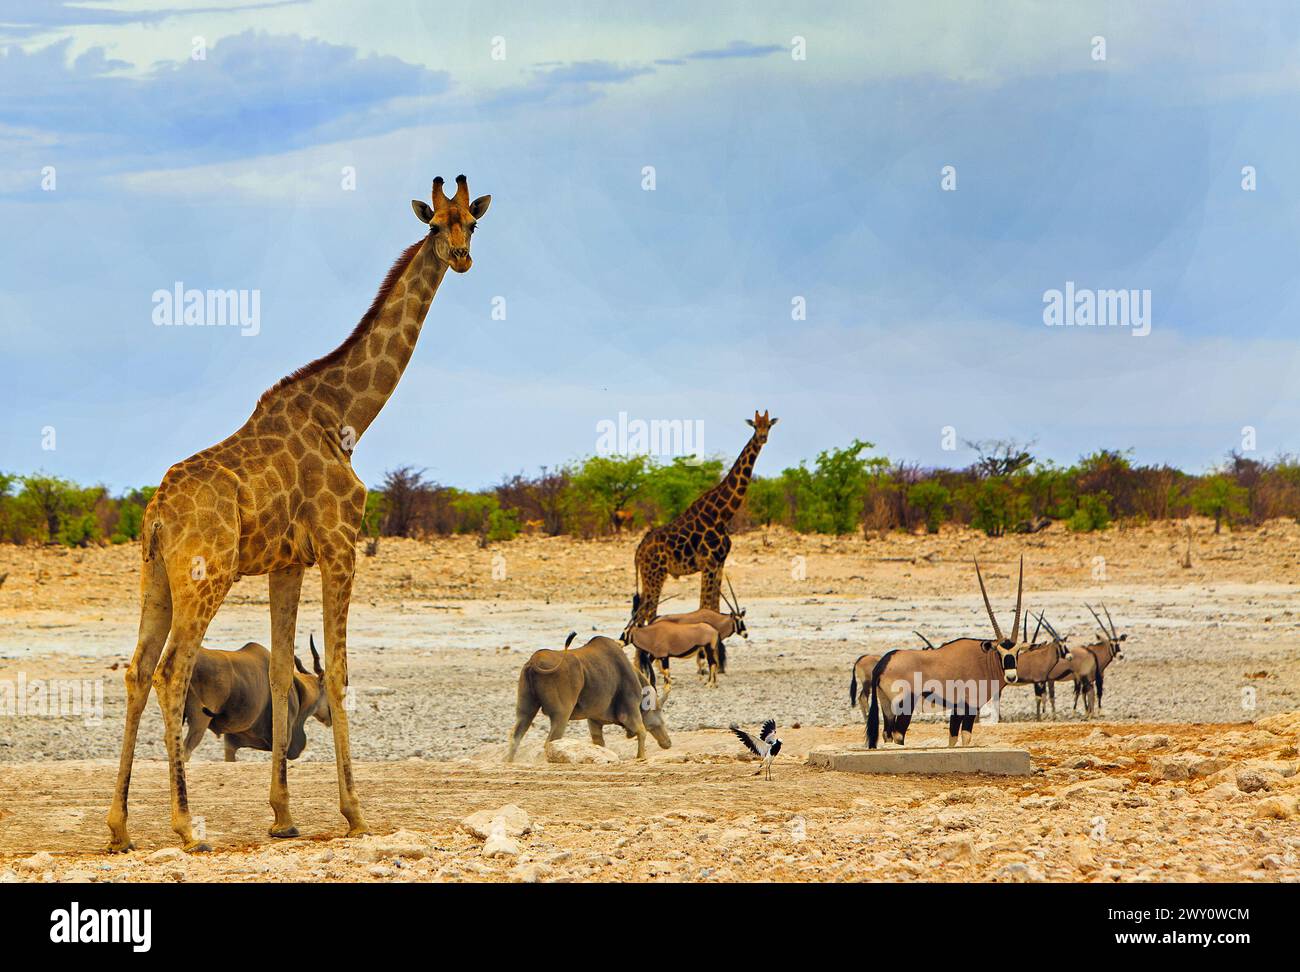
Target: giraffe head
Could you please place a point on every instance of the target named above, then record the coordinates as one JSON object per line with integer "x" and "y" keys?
{"x": 451, "y": 222}
{"x": 761, "y": 425}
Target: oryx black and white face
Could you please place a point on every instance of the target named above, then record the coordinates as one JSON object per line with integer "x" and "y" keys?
{"x": 1007, "y": 648}
{"x": 1111, "y": 637}
{"x": 1007, "y": 651}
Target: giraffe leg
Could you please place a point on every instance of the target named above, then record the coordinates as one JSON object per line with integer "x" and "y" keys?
{"x": 711, "y": 586}
{"x": 652, "y": 585}
{"x": 155, "y": 622}
{"x": 336, "y": 586}
{"x": 285, "y": 588}
{"x": 193, "y": 607}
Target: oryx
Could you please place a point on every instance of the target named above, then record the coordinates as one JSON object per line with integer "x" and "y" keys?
{"x": 960, "y": 675}
{"x": 726, "y": 625}
{"x": 595, "y": 682}
{"x": 230, "y": 693}
{"x": 659, "y": 641}
{"x": 1044, "y": 665}
{"x": 1105, "y": 651}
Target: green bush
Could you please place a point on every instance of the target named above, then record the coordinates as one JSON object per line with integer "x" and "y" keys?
{"x": 1092, "y": 513}
{"x": 932, "y": 499}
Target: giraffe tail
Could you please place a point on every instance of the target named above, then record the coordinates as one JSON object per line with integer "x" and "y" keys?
{"x": 150, "y": 547}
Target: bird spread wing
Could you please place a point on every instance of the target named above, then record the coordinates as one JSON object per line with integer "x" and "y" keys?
{"x": 768, "y": 731}
{"x": 744, "y": 737}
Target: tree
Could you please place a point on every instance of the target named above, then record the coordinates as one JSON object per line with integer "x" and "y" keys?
{"x": 931, "y": 498}
{"x": 1219, "y": 497}
{"x": 675, "y": 486}
{"x": 766, "y": 500}
{"x": 603, "y": 485}
{"x": 1000, "y": 457}
{"x": 405, "y": 490}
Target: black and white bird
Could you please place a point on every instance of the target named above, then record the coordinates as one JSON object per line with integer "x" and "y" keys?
{"x": 765, "y": 747}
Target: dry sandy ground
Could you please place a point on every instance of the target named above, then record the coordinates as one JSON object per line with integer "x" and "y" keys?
{"x": 1137, "y": 803}
{"x": 438, "y": 636}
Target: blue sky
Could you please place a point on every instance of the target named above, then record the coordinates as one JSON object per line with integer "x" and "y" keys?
{"x": 775, "y": 178}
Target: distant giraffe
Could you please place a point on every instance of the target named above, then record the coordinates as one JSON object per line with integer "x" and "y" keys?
{"x": 277, "y": 496}
{"x": 697, "y": 540}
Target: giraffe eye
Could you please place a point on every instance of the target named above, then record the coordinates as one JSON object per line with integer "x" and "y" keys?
{"x": 472, "y": 229}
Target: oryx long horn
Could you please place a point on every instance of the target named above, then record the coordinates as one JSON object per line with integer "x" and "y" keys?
{"x": 1114, "y": 634}
{"x": 734, "y": 601}
{"x": 1050, "y": 630}
{"x": 315, "y": 657}
{"x": 987, "y": 606}
{"x": 1037, "y": 628}
{"x": 1104, "y": 633}
{"x": 1020, "y": 590}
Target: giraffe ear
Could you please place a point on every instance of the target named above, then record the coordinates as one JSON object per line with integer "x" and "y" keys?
{"x": 423, "y": 211}
{"x": 480, "y": 206}
{"x": 750, "y": 423}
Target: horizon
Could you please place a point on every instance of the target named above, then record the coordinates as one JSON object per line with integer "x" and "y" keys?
{"x": 900, "y": 232}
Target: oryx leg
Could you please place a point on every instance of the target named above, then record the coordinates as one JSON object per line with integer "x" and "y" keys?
{"x": 155, "y": 622}
{"x": 1051, "y": 694}
{"x": 954, "y": 722}
{"x": 711, "y": 657}
{"x": 967, "y": 724}
{"x": 285, "y": 588}
{"x": 1040, "y": 689}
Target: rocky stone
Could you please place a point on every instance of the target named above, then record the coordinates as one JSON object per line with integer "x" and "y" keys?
{"x": 1146, "y": 743}
{"x": 533, "y": 872}
{"x": 1276, "y": 808}
{"x": 1019, "y": 873}
{"x": 514, "y": 821}
{"x": 1250, "y": 781}
{"x": 41, "y": 861}
{"x": 956, "y": 850}
{"x": 578, "y": 751}
{"x": 500, "y": 844}
{"x": 403, "y": 843}
{"x": 166, "y": 854}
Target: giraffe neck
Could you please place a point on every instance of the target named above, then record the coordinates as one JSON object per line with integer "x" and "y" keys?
{"x": 348, "y": 387}
{"x": 728, "y": 495}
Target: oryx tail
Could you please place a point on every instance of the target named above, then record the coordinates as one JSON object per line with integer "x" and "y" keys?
{"x": 873, "y": 714}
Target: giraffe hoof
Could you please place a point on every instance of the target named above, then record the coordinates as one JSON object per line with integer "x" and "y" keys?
{"x": 123, "y": 846}
{"x": 360, "y": 830}
{"x": 286, "y": 831}
{"x": 198, "y": 847}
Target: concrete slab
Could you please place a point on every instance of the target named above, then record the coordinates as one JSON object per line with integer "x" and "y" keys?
{"x": 997, "y": 760}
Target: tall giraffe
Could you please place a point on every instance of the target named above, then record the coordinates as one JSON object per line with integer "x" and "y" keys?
{"x": 277, "y": 496}
{"x": 696, "y": 540}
